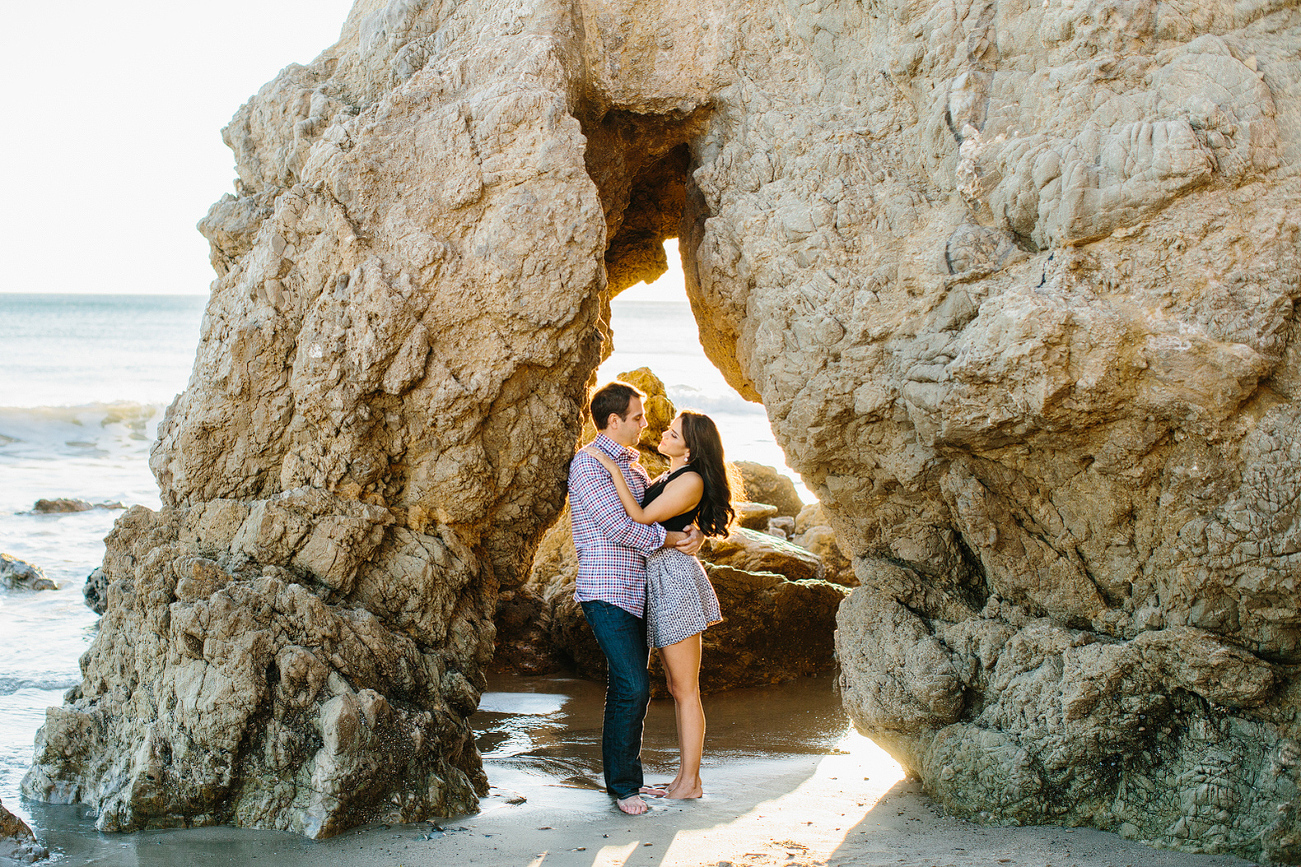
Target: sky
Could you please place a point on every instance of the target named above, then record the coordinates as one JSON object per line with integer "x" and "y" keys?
{"x": 111, "y": 138}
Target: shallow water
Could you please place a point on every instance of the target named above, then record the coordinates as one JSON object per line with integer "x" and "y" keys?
{"x": 551, "y": 727}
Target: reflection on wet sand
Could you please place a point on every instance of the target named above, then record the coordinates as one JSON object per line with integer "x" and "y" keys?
{"x": 550, "y": 728}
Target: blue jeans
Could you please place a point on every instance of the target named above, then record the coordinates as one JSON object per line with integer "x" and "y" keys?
{"x": 622, "y": 637}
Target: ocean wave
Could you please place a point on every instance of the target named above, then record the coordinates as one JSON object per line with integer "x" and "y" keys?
{"x": 89, "y": 429}
{"x": 689, "y": 397}
{"x": 11, "y": 685}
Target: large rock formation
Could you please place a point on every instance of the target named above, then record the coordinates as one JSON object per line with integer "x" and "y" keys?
{"x": 1015, "y": 281}
{"x": 408, "y": 306}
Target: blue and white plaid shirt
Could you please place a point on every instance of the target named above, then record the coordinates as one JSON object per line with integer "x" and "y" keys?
{"x": 612, "y": 547}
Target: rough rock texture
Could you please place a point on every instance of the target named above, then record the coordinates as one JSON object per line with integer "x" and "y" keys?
{"x": 95, "y": 590}
{"x": 67, "y": 504}
{"x": 1163, "y": 721}
{"x": 764, "y": 484}
{"x": 17, "y": 842}
{"x": 298, "y": 662}
{"x": 18, "y": 574}
{"x": 774, "y": 629}
{"x": 1015, "y": 281}
{"x": 408, "y": 305}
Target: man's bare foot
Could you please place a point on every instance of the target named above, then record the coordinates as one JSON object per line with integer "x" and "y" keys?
{"x": 655, "y": 791}
{"x": 633, "y": 805}
{"x": 685, "y": 791}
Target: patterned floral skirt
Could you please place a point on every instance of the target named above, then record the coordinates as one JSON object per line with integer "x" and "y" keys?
{"x": 680, "y": 601}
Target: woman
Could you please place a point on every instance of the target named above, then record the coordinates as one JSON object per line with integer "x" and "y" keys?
{"x": 680, "y": 599}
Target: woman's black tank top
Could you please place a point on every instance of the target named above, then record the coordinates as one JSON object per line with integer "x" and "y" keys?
{"x": 677, "y": 522}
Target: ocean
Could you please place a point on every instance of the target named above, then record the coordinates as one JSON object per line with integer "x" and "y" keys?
{"x": 84, "y": 381}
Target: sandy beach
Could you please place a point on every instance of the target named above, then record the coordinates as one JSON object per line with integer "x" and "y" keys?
{"x": 788, "y": 784}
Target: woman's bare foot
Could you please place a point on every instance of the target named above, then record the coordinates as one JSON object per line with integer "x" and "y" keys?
{"x": 655, "y": 791}
{"x": 633, "y": 805}
{"x": 684, "y": 791}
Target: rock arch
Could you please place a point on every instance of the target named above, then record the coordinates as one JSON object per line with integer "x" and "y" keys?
{"x": 1015, "y": 282}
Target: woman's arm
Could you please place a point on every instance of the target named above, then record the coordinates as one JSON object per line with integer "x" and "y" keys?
{"x": 630, "y": 504}
{"x": 680, "y": 495}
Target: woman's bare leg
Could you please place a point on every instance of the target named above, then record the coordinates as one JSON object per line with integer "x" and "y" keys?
{"x": 682, "y": 671}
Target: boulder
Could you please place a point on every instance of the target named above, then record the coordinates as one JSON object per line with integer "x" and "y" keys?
{"x": 62, "y": 504}
{"x": 773, "y": 629}
{"x": 821, "y": 542}
{"x": 291, "y": 663}
{"x": 18, "y": 574}
{"x": 812, "y": 532}
{"x": 782, "y": 527}
{"x": 17, "y": 842}
{"x": 764, "y": 484}
{"x": 752, "y": 551}
{"x": 754, "y": 516}
{"x": 95, "y": 591}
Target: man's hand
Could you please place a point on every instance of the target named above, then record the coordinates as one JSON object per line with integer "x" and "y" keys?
{"x": 691, "y": 540}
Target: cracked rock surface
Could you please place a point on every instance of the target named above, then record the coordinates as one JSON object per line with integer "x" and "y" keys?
{"x": 1015, "y": 281}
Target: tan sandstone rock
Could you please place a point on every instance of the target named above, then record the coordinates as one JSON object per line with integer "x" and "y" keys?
{"x": 752, "y": 551}
{"x": 754, "y": 516}
{"x": 1015, "y": 282}
{"x": 18, "y": 844}
{"x": 764, "y": 484}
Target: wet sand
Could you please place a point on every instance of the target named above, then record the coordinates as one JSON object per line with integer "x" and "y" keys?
{"x": 787, "y": 783}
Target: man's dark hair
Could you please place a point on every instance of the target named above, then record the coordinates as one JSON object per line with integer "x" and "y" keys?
{"x": 614, "y": 398}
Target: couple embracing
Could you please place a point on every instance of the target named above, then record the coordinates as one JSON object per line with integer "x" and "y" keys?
{"x": 639, "y": 583}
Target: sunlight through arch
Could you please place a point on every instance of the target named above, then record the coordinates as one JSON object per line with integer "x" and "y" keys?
{"x": 653, "y": 327}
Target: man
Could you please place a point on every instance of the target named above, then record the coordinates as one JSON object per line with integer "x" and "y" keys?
{"x": 612, "y": 551}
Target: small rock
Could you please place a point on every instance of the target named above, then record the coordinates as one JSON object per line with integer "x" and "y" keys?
{"x": 17, "y": 842}
{"x": 760, "y": 552}
{"x": 821, "y": 540}
{"x": 811, "y": 515}
{"x": 62, "y": 504}
{"x": 783, "y": 527}
{"x": 65, "y": 505}
{"x": 96, "y": 591}
{"x": 754, "y": 516}
{"x": 764, "y": 484}
{"x": 18, "y": 574}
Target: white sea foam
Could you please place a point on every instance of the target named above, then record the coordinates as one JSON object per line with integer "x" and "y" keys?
{"x": 102, "y": 429}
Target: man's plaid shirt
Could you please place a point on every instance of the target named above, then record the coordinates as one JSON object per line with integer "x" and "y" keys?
{"x": 612, "y": 547}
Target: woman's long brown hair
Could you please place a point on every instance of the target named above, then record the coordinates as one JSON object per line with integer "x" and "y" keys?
{"x": 706, "y": 449}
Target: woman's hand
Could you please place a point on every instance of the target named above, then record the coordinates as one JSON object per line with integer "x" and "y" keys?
{"x": 610, "y": 466}
{"x": 691, "y": 540}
